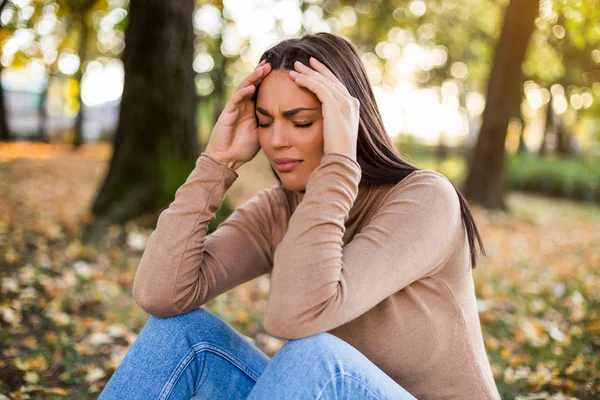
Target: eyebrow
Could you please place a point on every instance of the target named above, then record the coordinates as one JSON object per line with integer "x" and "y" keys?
{"x": 286, "y": 113}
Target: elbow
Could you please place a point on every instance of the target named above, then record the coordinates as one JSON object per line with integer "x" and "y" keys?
{"x": 278, "y": 330}
{"x": 283, "y": 328}
{"x": 153, "y": 305}
{"x": 284, "y": 321}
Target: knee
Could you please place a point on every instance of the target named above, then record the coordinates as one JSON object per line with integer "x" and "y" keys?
{"x": 316, "y": 358}
{"x": 323, "y": 340}
{"x": 199, "y": 323}
{"x": 320, "y": 346}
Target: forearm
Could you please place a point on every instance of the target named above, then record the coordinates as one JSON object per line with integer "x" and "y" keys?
{"x": 308, "y": 261}
{"x": 172, "y": 261}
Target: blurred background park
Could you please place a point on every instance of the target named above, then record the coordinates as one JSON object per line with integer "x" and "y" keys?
{"x": 106, "y": 104}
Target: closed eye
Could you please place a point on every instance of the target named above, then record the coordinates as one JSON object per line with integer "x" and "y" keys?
{"x": 296, "y": 125}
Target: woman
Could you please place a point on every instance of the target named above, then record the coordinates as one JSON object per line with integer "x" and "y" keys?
{"x": 370, "y": 257}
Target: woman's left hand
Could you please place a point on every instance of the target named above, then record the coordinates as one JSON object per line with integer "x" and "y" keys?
{"x": 340, "y": 109}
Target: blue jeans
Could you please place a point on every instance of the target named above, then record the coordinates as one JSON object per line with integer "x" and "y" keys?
{"x": 198, "y": 355}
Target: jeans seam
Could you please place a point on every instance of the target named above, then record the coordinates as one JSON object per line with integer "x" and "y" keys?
{"x": 200, "y": 374}
{"x": 351, "y": 377}
{"x": 197, "y": 349}
{"x": 168, "y": 387}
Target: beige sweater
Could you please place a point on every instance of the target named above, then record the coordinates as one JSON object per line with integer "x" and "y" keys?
{"x": 384, "y": 267}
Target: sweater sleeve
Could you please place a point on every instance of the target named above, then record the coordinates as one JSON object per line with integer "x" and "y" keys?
{"x": 317, "y": 284}
{"x": 181, "y": 267}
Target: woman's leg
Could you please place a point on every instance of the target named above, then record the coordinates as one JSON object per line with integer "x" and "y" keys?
{"x": 323, "y": 367}
{"x": 191, "y": 354}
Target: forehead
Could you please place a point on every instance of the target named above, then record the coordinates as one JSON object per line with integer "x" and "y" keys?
{"x": 278, "y": 92}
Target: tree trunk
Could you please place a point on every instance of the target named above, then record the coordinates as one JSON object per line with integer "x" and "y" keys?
{"x": 5, "y": 135}
{"x": 485, "y": 182}
{"x": 218, "y": 95}
{"x": 156, "y": 143}
{"x": 42, "y": 133}
{"x": 549, "y": 124}
{"x": 522, "y": 149}
{"x": 83, "y": 42}
{"x": 565, "y": 140}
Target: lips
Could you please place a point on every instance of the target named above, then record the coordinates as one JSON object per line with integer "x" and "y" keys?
{"x": 288, "y": 166}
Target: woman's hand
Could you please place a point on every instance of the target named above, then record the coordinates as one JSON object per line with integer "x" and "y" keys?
{"x": 234, "y": 139}
{"x": 340, "y": 110}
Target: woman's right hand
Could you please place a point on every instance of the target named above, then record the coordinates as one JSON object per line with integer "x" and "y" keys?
{"x": 234, "y": 139}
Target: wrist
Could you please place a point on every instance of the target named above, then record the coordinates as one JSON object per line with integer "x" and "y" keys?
{"x": 348, "y": 153}
{"x": 234, "y": 165}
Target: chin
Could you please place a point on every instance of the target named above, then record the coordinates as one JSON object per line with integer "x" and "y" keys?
{"x": 294, "y": 187}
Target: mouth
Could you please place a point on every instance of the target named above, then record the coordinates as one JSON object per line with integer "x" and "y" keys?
{"x": 288, "y": 166}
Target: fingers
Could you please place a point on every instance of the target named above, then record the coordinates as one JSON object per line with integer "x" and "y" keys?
{"x": 317, "y": 83}
{"x": 248, "y": 85}
{"x": 256, "y": 76}
{"x": 238, "y": 97}
{"x": 321, "y": 70}
{"x": 327, "y": 95}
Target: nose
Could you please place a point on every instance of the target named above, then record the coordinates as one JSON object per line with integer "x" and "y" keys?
{"x": 279, "y": 136}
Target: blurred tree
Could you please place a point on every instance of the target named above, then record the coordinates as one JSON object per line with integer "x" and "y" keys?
{"x": 565, "y": 62}
{"x": 485, "y": 179}
{"x": 548, "y": 125}
{"x": 155, "y": 145}
{"x": 47, "y": 55}
{"x": 462, "y": 35}
{"x": 5, "y": 135}
{"x": 519, "y": 118}
{"x": 79, "y": 10}
{"x": 50, "y": 24}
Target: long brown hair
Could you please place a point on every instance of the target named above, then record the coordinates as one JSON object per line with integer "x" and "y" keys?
{"x": 375, "y": 152}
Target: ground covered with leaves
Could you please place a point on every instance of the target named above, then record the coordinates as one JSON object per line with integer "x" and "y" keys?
{"x": 67, "y": 316}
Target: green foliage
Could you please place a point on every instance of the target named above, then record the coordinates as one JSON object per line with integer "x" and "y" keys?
{"x": 173, "y": 170}
{"x": 576, "y": 179}
{"x": 173, "y": 173}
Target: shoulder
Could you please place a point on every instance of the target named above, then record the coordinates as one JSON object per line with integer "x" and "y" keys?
{"x": 426, "y": 178}
{"x": 427, "y": 187}
{"x": 428, "y": 202}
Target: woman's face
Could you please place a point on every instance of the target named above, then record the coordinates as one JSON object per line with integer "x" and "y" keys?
{"x": 281, "y": 135}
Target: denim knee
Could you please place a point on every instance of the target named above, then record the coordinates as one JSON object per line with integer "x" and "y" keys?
{"x": 199, "y": 323}
{"x": 323, "y": 343}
